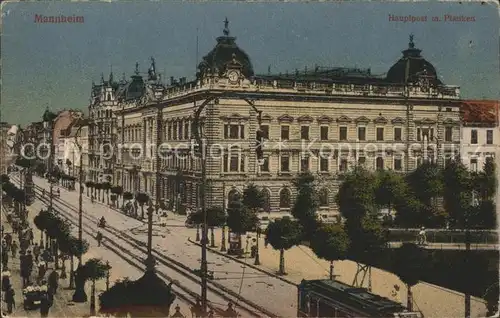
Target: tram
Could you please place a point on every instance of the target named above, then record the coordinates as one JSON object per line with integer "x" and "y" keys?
{"x": 327, "y": 298}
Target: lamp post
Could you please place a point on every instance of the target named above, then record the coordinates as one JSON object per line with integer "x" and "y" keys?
{"x": 150, "y": 261}
{"x": 79, "y": 295}
{"x": 49, "y": 127}
{"x": 473, "y": 205}
{"x": 257, "y": 256}
{"x": 213, "y": 98}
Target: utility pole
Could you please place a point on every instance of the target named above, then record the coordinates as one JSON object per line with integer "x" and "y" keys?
{"x": 80, "y": 194}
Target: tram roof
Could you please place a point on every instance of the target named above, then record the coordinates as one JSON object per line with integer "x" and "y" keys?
{"x": 336, "y": 290}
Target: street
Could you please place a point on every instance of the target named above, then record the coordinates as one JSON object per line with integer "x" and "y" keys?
{"x": 173, "y": 241}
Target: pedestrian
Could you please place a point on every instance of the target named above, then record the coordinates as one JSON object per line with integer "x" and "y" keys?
{"x": 5, "y": 281}
{"x": 14, "y": 248}
{"x": 42, "y": 269}
{"x": 266, "y": 242}
{"x": 53, "y": 282}
{"x": 8, "y": 239}
{"x": 10, "y": 300}
{"x": 45, "y": 305}
{"x": 5, "y": 256}
{"x": 31, "y": 236}
{"x": 99, "y": 238}
{"x": 36, "y": 252}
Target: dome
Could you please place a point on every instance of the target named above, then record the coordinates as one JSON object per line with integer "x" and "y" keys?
{"x": 223, "y": 53}
{"x": 48, "y": 116}
{"x": 418, "y": 67}
{"x": 132, "y": 90}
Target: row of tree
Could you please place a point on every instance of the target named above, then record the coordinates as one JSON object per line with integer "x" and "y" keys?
{"x": 428, "y": 196}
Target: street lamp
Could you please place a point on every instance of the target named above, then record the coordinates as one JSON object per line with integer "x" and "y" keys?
{"x": 473, "y": 205}
{"x": 80, "y": 288}
{"x": 150, "y": 261}
{"x": 48, "y": 124}
{"x": 213, "y": 98}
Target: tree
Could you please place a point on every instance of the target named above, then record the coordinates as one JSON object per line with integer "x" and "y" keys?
{"x": 76, "y": 248}
{"x": 390, "y": 190}
{"x": 409, "y": 265}
{"x": 330, "y": 242}
{"x": 149, "y": 296}
{"x": 106, "y": 186}
{"x": 142, "y": 198}
{"x": 240, "y": 218}
{"x": 98, "y": 187}
{"x": 457, "y": 192}
{"x": 356, "y": 195}
{"x": 485, "y": 186}
{"x": 427, "y": 183}
{"x": 89, "y": 185}
{"x": 128, "y": 196}
{"x": 215, "y": 217}
{"x": 253, "y": 198}
{"x": 94, "y": 269}
{"x": 118, "y": 191}
{"x": 368, "y": 238}
{"x": 283, "y": 234}
{"x": 306, "y": 204}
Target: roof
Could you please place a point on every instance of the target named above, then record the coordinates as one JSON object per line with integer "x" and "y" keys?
{"x": 479, "y": 112}
{"x": 412, "y": 67}
{"x": 226, "y": 51}
{"x": 352, "y": 295}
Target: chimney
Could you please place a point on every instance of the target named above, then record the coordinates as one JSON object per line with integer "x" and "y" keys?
{"x": 172, "y": 81}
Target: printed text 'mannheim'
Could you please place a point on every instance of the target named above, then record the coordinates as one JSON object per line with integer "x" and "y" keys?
{"x": 58, "y": 19}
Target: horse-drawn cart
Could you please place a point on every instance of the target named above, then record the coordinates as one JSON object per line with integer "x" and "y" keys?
{"x": 33, "y": 296}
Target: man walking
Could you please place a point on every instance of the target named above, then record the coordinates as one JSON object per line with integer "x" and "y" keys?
{"x": 9, "y": 299}
{"x": 14, "y": 248}
{"x": 36, "y": 252}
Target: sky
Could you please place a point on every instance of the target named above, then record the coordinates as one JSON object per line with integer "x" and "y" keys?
{"x": 53, "y": 65}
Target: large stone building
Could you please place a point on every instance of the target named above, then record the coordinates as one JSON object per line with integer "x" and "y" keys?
{"x": 480, "y": 134}
{"x": 75, "y": 141}
{"x": 102, "y": 129}
{"x": 324, "y": 120}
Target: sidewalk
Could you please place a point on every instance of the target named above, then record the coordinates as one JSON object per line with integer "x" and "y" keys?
{"x": 61, "y": 307}
{"x": 120, "y": 268}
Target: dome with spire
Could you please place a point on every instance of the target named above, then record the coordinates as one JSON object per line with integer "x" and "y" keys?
{"x": 48, "y": 116}
{"x": 224, "y": 52}
{"x": 412, "y": 66}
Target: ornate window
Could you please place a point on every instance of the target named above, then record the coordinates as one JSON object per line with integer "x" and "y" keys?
{"x": 266, "y": 195}
{"x": 233, "y": 196}
{"x": 323, "y": 197}
{"x": 285, "y": 198}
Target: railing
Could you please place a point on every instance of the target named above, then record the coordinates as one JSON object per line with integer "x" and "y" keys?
{"x": 291, "y": 86}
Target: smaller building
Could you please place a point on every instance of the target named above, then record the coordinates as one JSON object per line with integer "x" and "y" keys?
{"x": 480, "y": 134}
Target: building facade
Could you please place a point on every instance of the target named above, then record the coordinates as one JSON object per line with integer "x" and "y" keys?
{"x": 480, "y": 134}
{"x": 325, "y": 120}
{"x": 102, "y": 129}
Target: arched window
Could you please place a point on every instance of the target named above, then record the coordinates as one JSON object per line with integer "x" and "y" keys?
{"x": 232, "y": 196}
{"x": 323, "y": 197}
{"x": 285, "y": 198}
{"x": 380, "y": 163}
{"x": 267, "y": 200}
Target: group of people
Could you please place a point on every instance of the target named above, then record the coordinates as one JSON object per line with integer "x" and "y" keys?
{"x": 33, "y": 259}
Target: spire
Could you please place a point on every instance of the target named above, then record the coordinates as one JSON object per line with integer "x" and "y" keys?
{"x": 102, "y": 78}
{"x": 124, "y": 79}
{"x": 411, "y": 45}
{"x": 136, "y": 68}
{"x": 111, "y": 75}
{"x": 152, "y": 70}
{"x": 226, "y": 27}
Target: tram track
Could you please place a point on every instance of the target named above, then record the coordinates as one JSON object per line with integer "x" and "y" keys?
{"x": 217, "y": 290}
